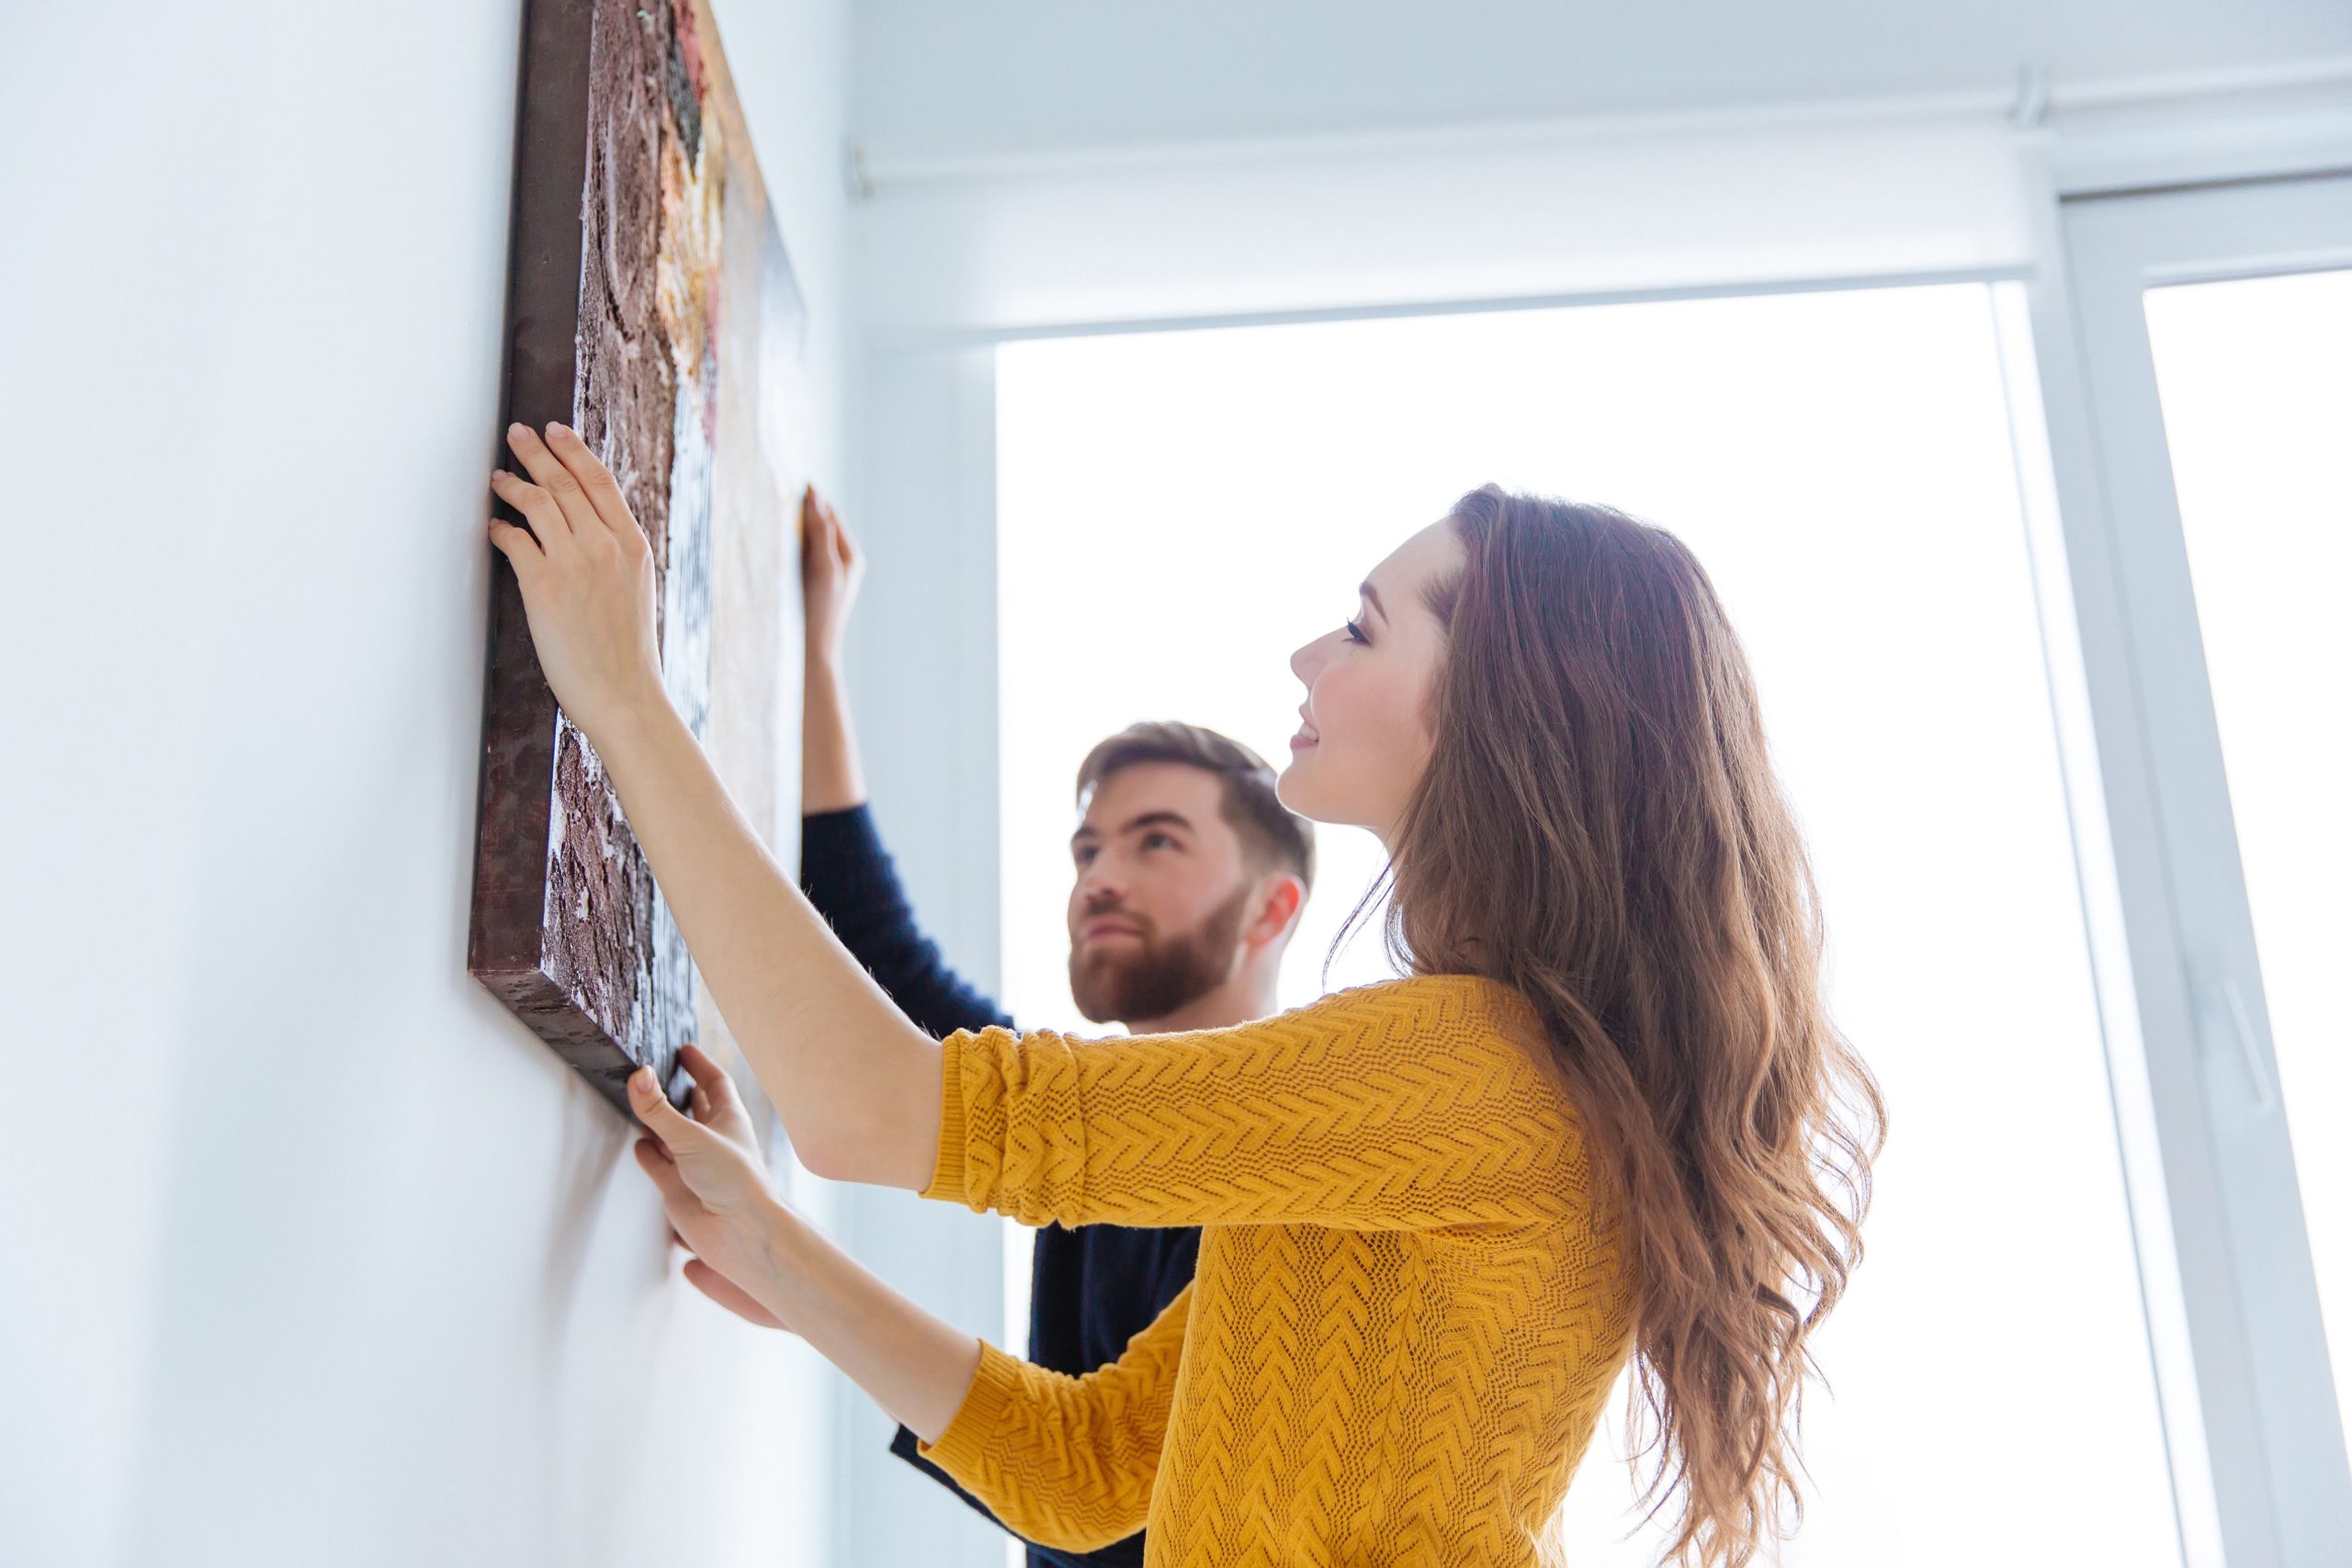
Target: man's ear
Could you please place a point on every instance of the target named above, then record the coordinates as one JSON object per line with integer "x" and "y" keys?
{"x": 1280, "y": 898}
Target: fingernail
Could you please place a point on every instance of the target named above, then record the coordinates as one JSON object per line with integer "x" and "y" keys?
{"x": 556, "y": 429}
{"x": 517, "y": 425}
{"x": 641, "y": 1082}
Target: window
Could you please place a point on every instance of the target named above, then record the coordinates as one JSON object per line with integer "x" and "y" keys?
{"x": 2204, "y": 536}
{"x": 1178, "y": 511}
{"x": 2258, "y": 412}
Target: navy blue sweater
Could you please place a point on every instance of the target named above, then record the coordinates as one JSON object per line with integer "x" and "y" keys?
{"x": 1091, "y": 1288}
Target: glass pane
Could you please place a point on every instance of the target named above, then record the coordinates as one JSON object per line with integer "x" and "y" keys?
{"x": 2256, "y": 377}
{"x": 1177, "y": 512}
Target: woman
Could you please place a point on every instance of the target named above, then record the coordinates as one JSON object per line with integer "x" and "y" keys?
{"x": 1606, "y": 1115}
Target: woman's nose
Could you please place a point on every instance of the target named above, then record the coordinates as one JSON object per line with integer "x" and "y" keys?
{"x": 1307, "y": 661}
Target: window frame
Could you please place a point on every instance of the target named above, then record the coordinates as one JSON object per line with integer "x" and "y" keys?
{"x": 2258, "y": 1441}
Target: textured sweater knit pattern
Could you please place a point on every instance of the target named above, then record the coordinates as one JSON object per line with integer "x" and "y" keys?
{"x": 1091, "y": 1288}
{"x": 1410, "y": 1308}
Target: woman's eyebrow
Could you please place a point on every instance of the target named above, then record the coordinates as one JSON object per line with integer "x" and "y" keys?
{"x": 1372, "y": 595}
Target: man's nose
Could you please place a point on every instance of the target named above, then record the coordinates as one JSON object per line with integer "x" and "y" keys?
{"x": 1099, "y": 884}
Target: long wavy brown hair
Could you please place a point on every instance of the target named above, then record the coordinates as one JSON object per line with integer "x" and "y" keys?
{"x": 1600, "y": 828}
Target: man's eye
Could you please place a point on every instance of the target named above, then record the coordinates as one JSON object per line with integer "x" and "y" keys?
{"x": 1157, "y": 841}
{"x": 1082, "y": 856}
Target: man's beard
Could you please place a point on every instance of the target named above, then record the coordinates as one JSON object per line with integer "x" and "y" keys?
{"x": 1159, "y": 975}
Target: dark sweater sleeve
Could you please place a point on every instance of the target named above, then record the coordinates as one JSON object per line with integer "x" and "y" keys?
{"x": 849, "y": 877}
{"x": 1127, "y": 1554}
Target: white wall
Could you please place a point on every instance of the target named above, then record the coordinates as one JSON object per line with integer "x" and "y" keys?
{"x": 924, "y": 669}
{"x": 312, "y": 1254}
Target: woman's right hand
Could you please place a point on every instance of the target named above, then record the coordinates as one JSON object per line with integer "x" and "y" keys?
{"x": 831, "y": 567}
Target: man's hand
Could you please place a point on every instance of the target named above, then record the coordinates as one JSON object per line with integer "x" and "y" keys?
{"x": 832, "y": 567}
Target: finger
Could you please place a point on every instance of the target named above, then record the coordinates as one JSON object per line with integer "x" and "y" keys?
{"x": 548, "y": 473}
{"x": 660, "y": 1118}
{"x": 676, "y": 1195}
{"x": 517, "y": 545}
{"x": 537, "y": 507}
{"x": 718, "y": 1103}
{"x": 728, "y": 1295}
{"x": 710, "y": 1078}
{"x": 816, "y": 544}
{"x": 662, "y": 1169}
{"x": 843, "y": 542}
{"x": 596, "y": 482}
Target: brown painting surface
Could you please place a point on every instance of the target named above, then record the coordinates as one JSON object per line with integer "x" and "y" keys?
{"x": 654, "y": 311}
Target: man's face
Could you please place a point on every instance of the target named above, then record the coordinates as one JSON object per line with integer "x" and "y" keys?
{"x": 1161, "y": 895}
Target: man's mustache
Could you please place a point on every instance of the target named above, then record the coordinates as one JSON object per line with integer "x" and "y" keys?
{"x": 1142, "y": 925}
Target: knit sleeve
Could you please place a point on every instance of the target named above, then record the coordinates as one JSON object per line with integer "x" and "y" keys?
{"x": 1066, "y": 1461}
{"x": 1400, "y": 1106}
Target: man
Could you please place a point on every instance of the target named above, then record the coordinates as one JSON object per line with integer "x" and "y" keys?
{"x": 1190, "y": 875}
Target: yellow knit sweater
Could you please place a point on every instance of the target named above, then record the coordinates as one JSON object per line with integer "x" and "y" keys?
{"x": 1409, "y": 1308}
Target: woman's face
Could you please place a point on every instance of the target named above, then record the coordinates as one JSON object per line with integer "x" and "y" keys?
{"x": 1365, "y": 737}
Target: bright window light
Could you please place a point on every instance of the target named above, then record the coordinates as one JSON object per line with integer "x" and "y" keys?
{"x": 2257, "y": 407}
{"x": 1177, "y": 512}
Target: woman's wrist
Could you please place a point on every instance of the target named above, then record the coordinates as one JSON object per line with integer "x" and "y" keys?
{"x": 918, "y": 1368}
{"x": 631, "y": 722}
{"x": 787, "y": 1265}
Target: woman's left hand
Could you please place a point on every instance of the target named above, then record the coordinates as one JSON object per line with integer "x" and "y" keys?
{"x": 586, "y": 574}
{"x": 714, "y": 1189}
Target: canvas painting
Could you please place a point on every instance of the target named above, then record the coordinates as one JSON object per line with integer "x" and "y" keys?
{"x": 653, "y": 308}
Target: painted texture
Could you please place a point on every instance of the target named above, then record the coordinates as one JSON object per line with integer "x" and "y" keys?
{"x": 653, "y": 309}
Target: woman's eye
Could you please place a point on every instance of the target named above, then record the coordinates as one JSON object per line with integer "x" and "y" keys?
{"x": 1356, "y": 632}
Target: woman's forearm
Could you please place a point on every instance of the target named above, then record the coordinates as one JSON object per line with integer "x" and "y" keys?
{"x": 856, "y": 1084}
{"x": 915, "y": 1367}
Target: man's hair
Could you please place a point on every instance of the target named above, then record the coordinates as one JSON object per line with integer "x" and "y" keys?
{"x": 1271, "y": 833}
